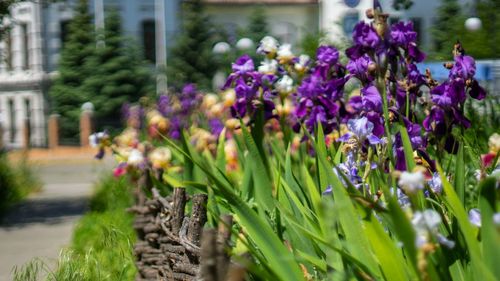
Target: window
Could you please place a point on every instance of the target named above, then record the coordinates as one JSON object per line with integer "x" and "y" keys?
{"x": 417, "y": 26}
{"x": 393, "y": 20}
{"x": 8, "y": 42}
{"x": 12, "y": 127}
{"x": 26, "y": 51}
{"x": 27, "y": 123}
{"x": 149, "y": 40}
{"x": 349, "y": 22}
{"x": 286, "y": 32}
{"x": 64, "y": 31}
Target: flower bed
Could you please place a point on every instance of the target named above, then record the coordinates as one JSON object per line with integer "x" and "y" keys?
{"x": 331, "y": 170}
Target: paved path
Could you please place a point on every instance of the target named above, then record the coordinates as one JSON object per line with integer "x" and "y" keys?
{"x": 43, "y": 224}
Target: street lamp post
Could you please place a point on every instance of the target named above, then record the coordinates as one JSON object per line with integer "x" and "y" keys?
{"x": 161, "y": 48}
{"x": 474, "y": 22}
{"x": 222, "y": 49}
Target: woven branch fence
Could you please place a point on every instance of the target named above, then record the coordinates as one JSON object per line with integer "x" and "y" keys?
{"x": 173, "y": 245}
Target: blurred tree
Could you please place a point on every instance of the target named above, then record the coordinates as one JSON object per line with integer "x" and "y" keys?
{"x": 118, "y": 75}
{"x": 449, "y": 23}
{"x": 257, "y": 25}
{"x": 484, "y": 43}
{"x": 4, "y": 13}
{"x": 66, "y": 94}
{"x": 311, "y": 41}
{"x": 450, "y": 27}
{"x": 191, "y": 59}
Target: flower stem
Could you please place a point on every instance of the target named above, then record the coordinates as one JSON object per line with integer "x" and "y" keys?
{"x": 382, "y": 91}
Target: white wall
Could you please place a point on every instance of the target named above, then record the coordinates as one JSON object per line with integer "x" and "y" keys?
{"x": 296, "y": 20}
{"x": 19, "y": 84}
{"x": 334, "y": 12}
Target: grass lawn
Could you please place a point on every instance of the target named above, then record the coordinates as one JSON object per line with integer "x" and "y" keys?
{"x": 101, "y": 247}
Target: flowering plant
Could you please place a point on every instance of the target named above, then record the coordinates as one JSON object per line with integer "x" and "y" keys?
{"x": 327, "y": 183}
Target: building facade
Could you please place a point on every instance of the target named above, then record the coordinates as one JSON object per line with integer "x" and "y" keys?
{"x": 288, "y": 20}
{"x": 30, "y": 52}
{"x": 23, "y": 77}
{"x": 31, "y": 49}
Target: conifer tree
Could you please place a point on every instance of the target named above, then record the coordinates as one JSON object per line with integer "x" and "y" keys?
{"x": 257, "y": 25}
{"x": 448, "y": 23}
{"x": 191, "y": 58}
{"x": 450, "y": 27}
{"x": 483, "y": 43}
{"x": 66, "y": 95}
{"x": 119, "y": 75}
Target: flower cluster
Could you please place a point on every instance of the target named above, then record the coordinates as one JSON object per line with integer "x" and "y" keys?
{"x": 449, "y": 97}
{"x": 320, "y": 95}
{"x": 385, "y": 127}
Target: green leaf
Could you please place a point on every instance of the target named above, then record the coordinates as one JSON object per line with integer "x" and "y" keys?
{"x": 460, "y": 173}
{"x": 349, "y": 218}
{"x": 410, "y": 161}
{"x": 278, "y": 257}
{"x": 490, "y": 235}
{"x": 390, "y": 258}
{"x": 221, "y": 153}
{"x": 280, "y": 260}
{"x": 261, "y": 176}
{"x": 481, "y": 272}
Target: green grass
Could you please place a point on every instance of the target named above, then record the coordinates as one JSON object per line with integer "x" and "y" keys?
{"x": 101, "y": 247}
{"x": 16, "y": 182}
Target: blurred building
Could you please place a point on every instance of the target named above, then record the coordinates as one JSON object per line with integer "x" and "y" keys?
{"x": 31, "y": 50}
{"x": 288, "y": 20}
{"x": 24, "y": 77}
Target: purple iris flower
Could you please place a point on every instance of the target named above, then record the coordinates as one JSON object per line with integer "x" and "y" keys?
{"x": 435, "y": 183}
{"x": 476, "y": 91}
{"x": 328, "y": 190}
{"x": 359, "y": 68}
{"x": 475, "y": 217}
{"x": 371, "y": 99}
{"x": 318, "y": 100}
{"x": 189, "y": 99}
{"x": 243, "y": 65}
{"x": 401, "y": 97}
{"x": 349, "y": 169}
{"x": 403, "y": 34}
{"x": 355, "y": 105}
{"x": 189, "y": 89}
{"x": 414, "y": 75}
{"x": 400, "y": 157}
{"x": 253, "y": 89}
{"x": 415, "y": 54}
{"x": 125, "y": 111}
{"x": 459, "y": 118}
{"x": 164, "y": 105}
{"x": 327, "y": 55}
{"x": 365, "y": 39}
{"x": 436, "y": 122}
{"x": 403, "y": 199}
{"x": 365, "y": 35}
{"x": 378, "y": 123}
{"x": 449, "y": 94}
{"x": 362, "y": 130}
{"x": 414, "y": 132}
{"x": 327, "y": 58}
{"x": 464, "y": 68}
{"x": 216, "y": 126}
{"x": 175, "y": 128}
